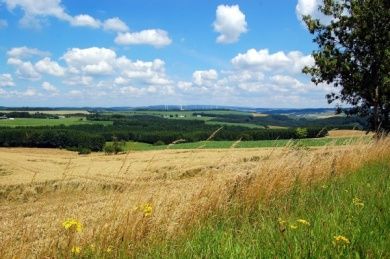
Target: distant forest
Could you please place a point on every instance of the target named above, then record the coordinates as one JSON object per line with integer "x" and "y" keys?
{"x": 153, "y": 129}
{"x": 291, "y": 121}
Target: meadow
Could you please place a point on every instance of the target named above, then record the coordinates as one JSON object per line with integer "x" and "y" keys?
{"x": 343, "y": 217}
{"x": 255, "y": 202}
{"x": 50, "y": 112}
{"x": 335, "y": 137}
{"x": 139, "y": 146}
{"x": 34, "y": 122}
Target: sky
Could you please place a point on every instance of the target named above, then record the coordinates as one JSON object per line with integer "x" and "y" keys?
{"x": 138, "y": 53}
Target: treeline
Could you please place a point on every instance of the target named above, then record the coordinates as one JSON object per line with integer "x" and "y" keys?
{"x": 333, "y": 122}
{"x": 147, "y": 129}
{"x": 36, "y": 115}
{"x": 47, "y": 137}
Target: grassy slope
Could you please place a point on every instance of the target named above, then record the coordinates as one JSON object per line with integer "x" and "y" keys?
{"x": 137, "y": 146}
{"x": 31, "y": 122}
{"x": 248, "y": 125}
{"x": 256, "y": 231}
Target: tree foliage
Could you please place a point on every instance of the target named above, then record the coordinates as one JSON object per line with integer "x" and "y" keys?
{"x": 354, "y": 56}
{"x": 147, "y": 129}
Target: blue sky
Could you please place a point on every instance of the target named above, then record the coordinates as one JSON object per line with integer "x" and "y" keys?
{"x": 133, "y": 53}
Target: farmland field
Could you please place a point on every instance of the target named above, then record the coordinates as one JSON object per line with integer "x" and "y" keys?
{"x": 122, "y": 201}
{"x": 252, "y": 126}
{"x": 33, "y": 122}
{"x": 51, "y": 112}
{"x": 134, "y": 146}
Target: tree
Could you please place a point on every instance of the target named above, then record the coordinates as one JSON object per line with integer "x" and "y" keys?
{"x": 301, "y": 133}
{"x": 354, "y": 56}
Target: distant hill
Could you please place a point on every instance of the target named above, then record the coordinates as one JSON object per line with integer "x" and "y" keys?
{"x": 298, "y": 111}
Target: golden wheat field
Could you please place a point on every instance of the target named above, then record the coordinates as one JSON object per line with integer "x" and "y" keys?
{"x": 127, "y": 198}
{"x": 348, "y": 133}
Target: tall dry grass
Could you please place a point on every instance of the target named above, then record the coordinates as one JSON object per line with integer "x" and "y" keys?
{"x": 112, "y": 211}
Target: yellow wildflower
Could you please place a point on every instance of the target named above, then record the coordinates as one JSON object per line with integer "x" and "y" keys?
{"x": 76, "y": 250}
{"x": 293, "y": 226}
{"x": 357, "y": 202}
{"x": 72, "y": 224}
{"x": 147, "y": 209}
{"x": 109, "y": 249}
{"x": 281, "y": 221}
{"x": 341, "y": 240}
{"x": 303, "y": 222}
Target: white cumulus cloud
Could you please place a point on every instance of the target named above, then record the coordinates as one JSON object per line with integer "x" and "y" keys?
{"x": 310, "y": 7}
{"x": 36, "y": 11}
{"x": 47, "y": 66}
{"x": 27, "y": 71}
{"x": 230, "y": 23}
{"x": 201, "y": 77}
{"x": 50, "y": 88}
{"x": 115, "y": 24}
{"x": 155, "y": 37}
{"x": 86, "y": 65}
{"x": 38, "y": 7}
{"x": 25, "y": 52}
{"x": 292, "y": 62}
{"x": 85, "y": 20}
{"x": 90, "y": 60}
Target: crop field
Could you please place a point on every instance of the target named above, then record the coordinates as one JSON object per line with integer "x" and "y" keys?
{"x": 55, "y": 203}
{"x": 335, "y": 139}
{"x": 252, "y": 126}
{"x": 51, "y": 112}
{"x": 33, "y": 122}
{"x": 244, "y": 144}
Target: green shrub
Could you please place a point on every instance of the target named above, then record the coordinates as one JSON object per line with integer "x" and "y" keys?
{"x": 159, "y": 143}
{"x": 109, "y": 149}
{"x": 301, "y": 133}
{"x": 84, "y": 151}
{"x": 114, "y": 148}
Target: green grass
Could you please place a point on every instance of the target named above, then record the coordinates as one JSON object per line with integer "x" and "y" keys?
{"x": 314, "y": 142}
{"x": 248, "y": 125}
{"x": 31, "y": 122}
{"x": 255, "y": 231}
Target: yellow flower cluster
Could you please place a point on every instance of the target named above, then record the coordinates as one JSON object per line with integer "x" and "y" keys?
{"x": 147, "y": 209}
{"x": 294, "y": 226}
{"x": 72, "y": 225}
{"x": 281, "y": 221}
{"x": 357, "y": 202}
{"x": 303, "y": 222}
{"x": 341, "y": 240}
{"x": 76, "y": 250}
{"x": 109, "y": 249}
